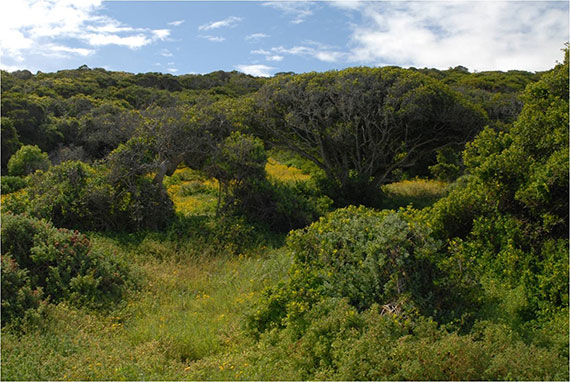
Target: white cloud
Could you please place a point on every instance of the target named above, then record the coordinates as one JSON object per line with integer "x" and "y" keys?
{"x": 166, "y": 53}
{"x": 61, "y": 50}
{"x": 275, "y": 57}
{"x": 348, "y": 4}
{"x": 298, "y": 10}
{"x": 227, "y": 22}
{"x": 10, "y": 68}
{"x": 213, "y": 38}
{"x": 256, "y": 70}
{"x": 256, "y": 36}
{"x": 319, "y": 51}
{"x": 260, "y": 51}
{"x": 132, "y": 42}
{"x": 172, "y": 70}
{"x": 161, "y": 34}
{"x": 63, "y": 28}
{"x": 176, "y": 23}
{"x": 479, "y": 35}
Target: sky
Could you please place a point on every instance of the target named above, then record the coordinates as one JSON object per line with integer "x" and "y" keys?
{"x": 262, "y": 38}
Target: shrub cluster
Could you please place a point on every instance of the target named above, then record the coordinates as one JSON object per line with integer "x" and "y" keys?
{"x": 12, "y": 184}
{"x": 340, "y": 343}
{"x": 27, "y": 160}
{"x": 368, "y": 257}
{"x": 42, "y": 261}
{"x": 76, "y": 195}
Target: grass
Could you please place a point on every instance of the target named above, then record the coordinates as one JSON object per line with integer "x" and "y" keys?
{"x": 284, "y": 173}
{"x": 194, "y": 194}
{"x": 184, "y": 322}
{"x": 419, "y": 193}
{"x": 186, "y": 311}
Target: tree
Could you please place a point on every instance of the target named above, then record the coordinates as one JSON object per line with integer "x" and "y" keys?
{"x": 27, "y": 160}
{"x": 238, "y": 165}
{"x": 10, "y": 141}
{"x": 103, "y": 128}
{"x": 361, "y": 124}
{"x": 508, "y": 220}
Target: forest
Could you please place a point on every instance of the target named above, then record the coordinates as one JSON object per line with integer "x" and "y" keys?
{"x": 359, "y": 224}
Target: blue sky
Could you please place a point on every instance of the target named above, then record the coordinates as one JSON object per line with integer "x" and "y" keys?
{"x": 265, "y": 37}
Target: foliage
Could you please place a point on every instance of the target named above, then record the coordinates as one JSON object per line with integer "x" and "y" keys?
{"x": 365, "y": 256}
{"x": 27, "y": 160}
{"x": 19, "y": 300}
{"x": 12, "y": 184}
{"x": 448, "y": 166}
{"x": 360, "y": 125}
{"x": 76, "y": 195}
{"x": 10, "y": 141}
{"x": 510, "y": 217}
{"x": 59, "y": 263}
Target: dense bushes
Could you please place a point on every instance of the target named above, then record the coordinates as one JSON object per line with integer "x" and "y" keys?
{"x": 27, "y": 160}
{"x": 12, "y": 184}
{"x": 76, "y": 195}
{"x": 39, "y": 260}
{"x": 482, "y": 294}
{"x": 365, "y": 256}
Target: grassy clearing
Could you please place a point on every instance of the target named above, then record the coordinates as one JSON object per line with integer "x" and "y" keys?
{"x": 185, "y": 311}
{"x": 419, "y": 193}
{"x": 191, "y": 192}
{"x": 184, "y": 321}
{"x": 284, "y": 173}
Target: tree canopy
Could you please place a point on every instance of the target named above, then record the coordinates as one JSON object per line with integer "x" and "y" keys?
{"x": 360, "y": 125}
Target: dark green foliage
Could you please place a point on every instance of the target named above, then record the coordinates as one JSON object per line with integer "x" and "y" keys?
{"x": 60, "y": 263}
{"x": 27, "y": 160}
{"x": 76, "y": 195}
{"x": 359, "y": 125}
{"x": 12, "y": 183}
{"x": 239, "y": 167}
{"x": 19, "y": 300}
{"x": 448, "y": 166}
{"x": 104, "y": 128}
{"x": 29, "y": 117}
{"x": 10, "y": 141}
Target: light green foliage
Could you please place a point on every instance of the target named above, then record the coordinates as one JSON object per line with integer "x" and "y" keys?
{"x": 511, "y": 214}
{"x": 27, "y": 160}
{"x": 365, "y": 256}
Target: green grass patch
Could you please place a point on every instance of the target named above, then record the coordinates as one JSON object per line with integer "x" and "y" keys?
{"x": 187, "y": 310}
{"x": 419, "y": 193}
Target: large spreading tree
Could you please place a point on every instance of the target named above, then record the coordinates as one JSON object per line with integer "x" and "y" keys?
{"x": 359, "y": 125}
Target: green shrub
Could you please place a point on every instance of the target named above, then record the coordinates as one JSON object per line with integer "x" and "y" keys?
{"x": 365, "y": 256}
{"x": 27, "y": 160}
{"x": 11, "y": 184}
{"x": 76, "y": 195}
{"x": 340, "y": 343}
{"x": 448, "y": 166}
{"x": 279, "y": 206}
{"x": 59, "y": 262}
{"x": 19, "y": 300}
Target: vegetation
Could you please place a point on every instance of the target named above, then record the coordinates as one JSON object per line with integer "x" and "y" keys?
{"x": 365, "y": 224}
